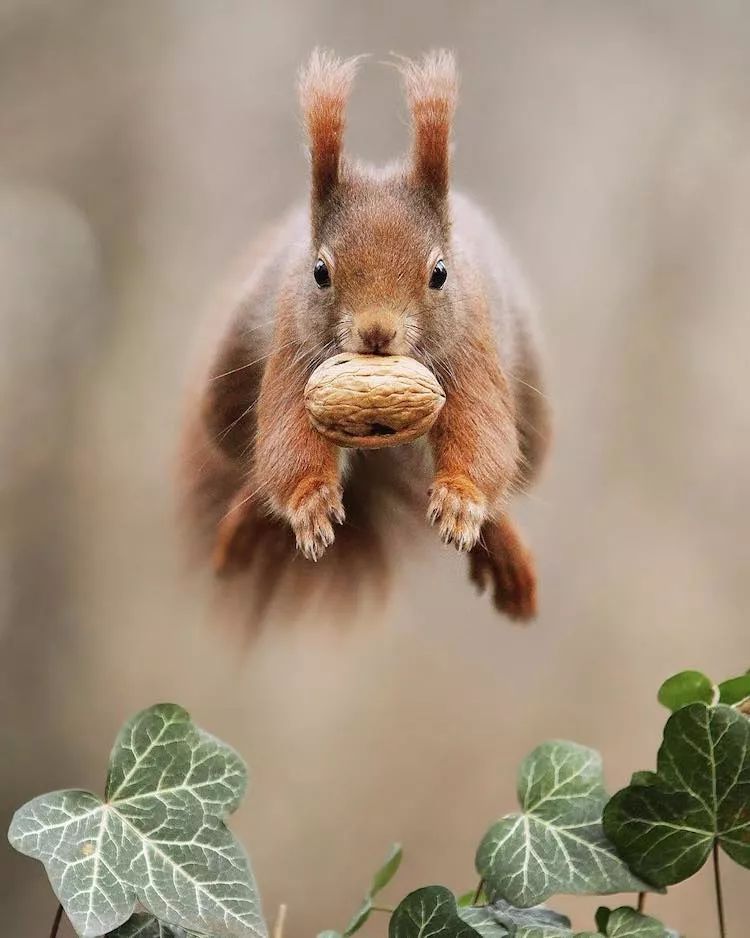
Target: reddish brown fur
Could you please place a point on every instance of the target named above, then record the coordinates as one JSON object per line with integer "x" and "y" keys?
{"x": 501, "y": 561}
{"x": 324, "y": 86}
{"x": 431, "y": 90}
{"x": 263, "y": 472}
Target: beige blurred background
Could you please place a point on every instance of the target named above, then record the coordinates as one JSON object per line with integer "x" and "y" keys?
{"x": 141, "y": 144}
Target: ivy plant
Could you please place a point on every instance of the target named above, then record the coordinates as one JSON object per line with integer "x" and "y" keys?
{"x": 145, "y": 925}
{"x": 157, "y": 839}
{"x": 695, "y": 687}
{"x": 667, "y": 824}
{"x": 557, "y": 844}
{"x": 154, "y": 858}
{"x": 380, "y": 879}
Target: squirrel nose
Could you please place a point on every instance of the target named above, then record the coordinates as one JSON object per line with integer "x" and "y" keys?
{"x": 376, "y": 339}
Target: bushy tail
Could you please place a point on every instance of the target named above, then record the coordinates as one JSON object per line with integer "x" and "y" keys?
{"x": 265, "y": 576}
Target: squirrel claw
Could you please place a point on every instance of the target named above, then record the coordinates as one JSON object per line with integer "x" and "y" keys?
{"x": 312, "y": 520}
{"x": 458, "y": 511}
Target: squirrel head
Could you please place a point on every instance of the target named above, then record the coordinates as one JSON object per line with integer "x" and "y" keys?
{"x": 380, "y": 277}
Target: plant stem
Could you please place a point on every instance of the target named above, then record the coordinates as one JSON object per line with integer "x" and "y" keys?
{"x": 641, "y": 901}
{"x": 278, "y": 927}
{"x": 478, "y": 892}
{"x": 56, "y": 922}
{"x": 382, "y": 908}
{"x": 719, "y": 893}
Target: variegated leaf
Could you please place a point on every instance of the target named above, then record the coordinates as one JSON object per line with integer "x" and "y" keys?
{"x": 158, "y": 839}
{"x": 557, "y": 845}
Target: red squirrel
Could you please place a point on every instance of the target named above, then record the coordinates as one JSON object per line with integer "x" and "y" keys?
{"x": 382, "y": 261}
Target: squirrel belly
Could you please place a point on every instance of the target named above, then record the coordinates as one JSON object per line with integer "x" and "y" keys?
{"x": 385, "y": 262}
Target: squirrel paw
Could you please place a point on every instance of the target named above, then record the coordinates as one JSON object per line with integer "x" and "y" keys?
{"x": 315, "y": 506}
{"x": 457, "y": 507}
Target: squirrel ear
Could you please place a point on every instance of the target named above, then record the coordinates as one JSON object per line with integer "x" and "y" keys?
{"x": 324, "y": 85}
{"x": 431, "y": 87}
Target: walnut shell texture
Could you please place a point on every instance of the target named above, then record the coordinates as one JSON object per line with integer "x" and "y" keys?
{"x": 372, "y": 401}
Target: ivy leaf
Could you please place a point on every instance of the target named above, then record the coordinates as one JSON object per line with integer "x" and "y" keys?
{"x": 380, "y": 880}
{"x": 557, "y": 845}
{"x": 601, "y": 917}
{"x": 667, "y": 830}
{"x": 536, "y": 922}
{"x": 157, "y": 839}
{"x": 466, "y": 900}
{"x": 542, "y": 931}
{"x": 502, "y": 920}
{"x": 145, "y": 925}
{"x": 330, "y": 933}
{"x": 360, "y": 917}
{"x": 427, "y": 913}
{"x": 685, "y": 688}
{"x": 644, "y": 778}
{"x": 735, "y": 690}
{"x": 388, "y": 870}
{"x": 482, "y": 920}
{"x": 627, "y": 923}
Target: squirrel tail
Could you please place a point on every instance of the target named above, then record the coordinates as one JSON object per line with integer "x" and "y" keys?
{"x": 264, "y": 576}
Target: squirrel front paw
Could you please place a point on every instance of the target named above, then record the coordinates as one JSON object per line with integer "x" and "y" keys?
{"x": 459, "y": 509}
{"x": 313, "y": 508}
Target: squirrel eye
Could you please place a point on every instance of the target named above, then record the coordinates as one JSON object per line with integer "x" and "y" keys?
{"x": 438, "y": 276}
{"x": 320, "y": 272}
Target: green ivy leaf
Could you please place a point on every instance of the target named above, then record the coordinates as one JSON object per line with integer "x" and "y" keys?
{"x": 380, "y": 880}
{"x": 627, "y": 923}
{"x": 557, "y": 845}
{"x": 501, "y": 920}
{"x": 157, "y": 839}
{"x": 329, "y": 933}
{"x": 644, "y": 778}
{"x": 601, "y": 917}
{"x": 388, "y": 870}
{"x": 667, "y": 830}
{"x": 482, "y": 920}
{"x": 542, "y": 931}
{"x": 360, "y": 917}
{"x": 427, "y": 913}
{"x": 465, "y": 900}
{"x": 735, "y": 690}
{"x": 685, "y": 688}
{"x": 536, "y": 922}
{"x": 145, "y": 925}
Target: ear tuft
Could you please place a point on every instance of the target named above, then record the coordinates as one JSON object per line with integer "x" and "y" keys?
{"x": 324, "y": 85}
{"x": 431, "y": 87}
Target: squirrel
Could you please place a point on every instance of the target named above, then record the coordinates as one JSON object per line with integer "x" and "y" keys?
{"x": 381, "y": 261}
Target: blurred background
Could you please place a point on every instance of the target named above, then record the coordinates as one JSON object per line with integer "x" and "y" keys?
{"x": 142, "y": 144}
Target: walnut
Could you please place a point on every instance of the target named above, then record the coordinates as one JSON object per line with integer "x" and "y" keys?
{"x": 371, "y": 401}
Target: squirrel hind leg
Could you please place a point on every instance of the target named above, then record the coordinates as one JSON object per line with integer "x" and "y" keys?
{"x": 262, "y": 573}
{"x": 502, "y": 562}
